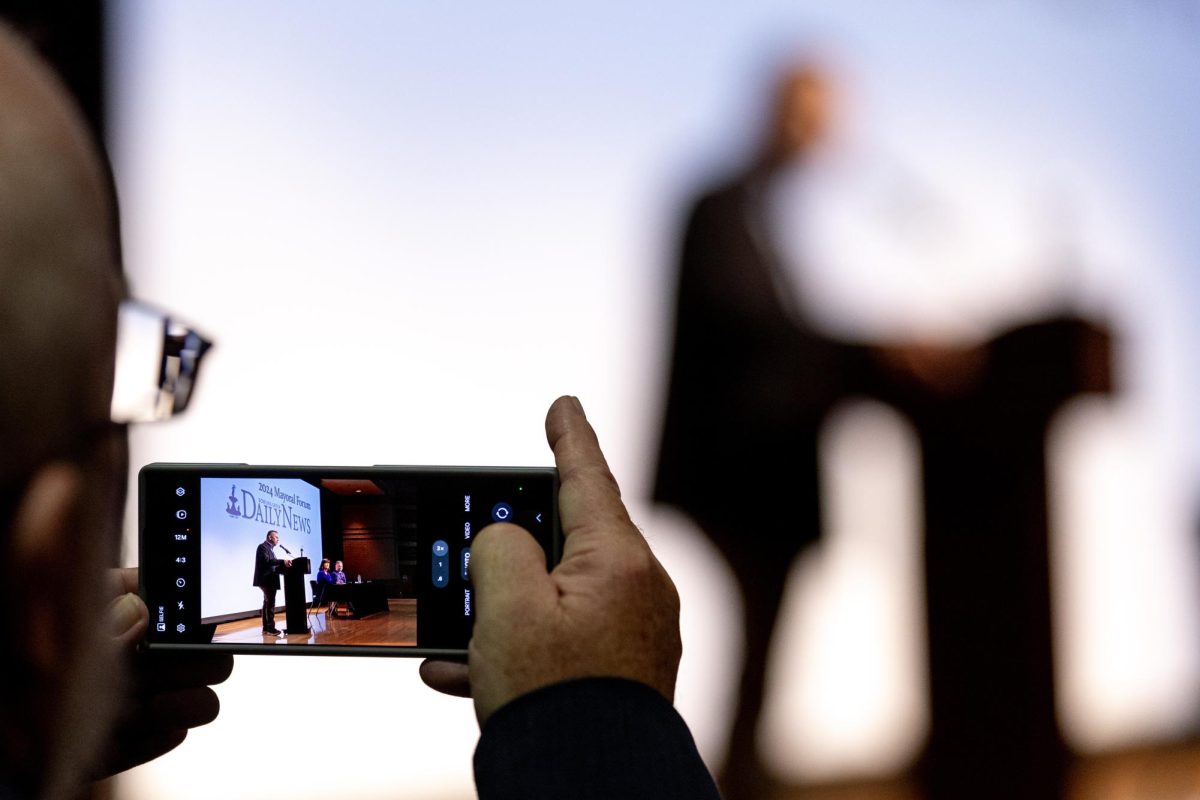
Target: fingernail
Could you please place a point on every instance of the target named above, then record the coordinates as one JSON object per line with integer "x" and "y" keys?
{"x": 578, "y": 405}
{"x": 124, "y": 613}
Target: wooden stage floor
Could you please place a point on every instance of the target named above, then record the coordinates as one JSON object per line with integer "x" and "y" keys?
{"x": 398, "y": 627}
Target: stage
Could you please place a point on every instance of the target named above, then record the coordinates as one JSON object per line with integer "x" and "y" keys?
{"x": 396, "y": 627}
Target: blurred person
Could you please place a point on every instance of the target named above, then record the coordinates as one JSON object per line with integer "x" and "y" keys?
{"x": 981, "y": 408}
{"x": 339, "y": 573}
{"x": 81, "y": 704}
{"x": 266, "y": 577}
{"x": 751, "y": 382}
{"x": 572, "y": 671}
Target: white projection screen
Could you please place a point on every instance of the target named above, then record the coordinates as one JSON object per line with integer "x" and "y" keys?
{"x": 235, "y": 516}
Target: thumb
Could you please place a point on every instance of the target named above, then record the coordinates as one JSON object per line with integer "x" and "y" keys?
{"x": 508, "y": 569}
{"x": 127, "y": 619}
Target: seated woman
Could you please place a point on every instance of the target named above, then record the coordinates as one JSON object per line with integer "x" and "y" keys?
{"x": 325, "y": 579}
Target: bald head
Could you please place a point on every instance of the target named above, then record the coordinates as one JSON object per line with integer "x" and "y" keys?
{"x": 802, "y": 111}
{"x": 59, "y": 285}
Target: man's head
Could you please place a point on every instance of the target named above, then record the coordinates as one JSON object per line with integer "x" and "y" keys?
{"x": 62, "y": 465}
{"x": 802, "y": 112}
{"x": 273, "y": 537}
{"x": 337, "y": 566}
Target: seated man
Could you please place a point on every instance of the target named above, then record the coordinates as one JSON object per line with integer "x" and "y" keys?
{"x": 338, "y": 595}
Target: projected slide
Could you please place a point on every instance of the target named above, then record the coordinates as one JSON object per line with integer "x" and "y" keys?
{"x": 235, "y": 515}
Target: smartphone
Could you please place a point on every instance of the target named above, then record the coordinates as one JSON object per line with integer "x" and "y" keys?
{"x": 244, "y": 559}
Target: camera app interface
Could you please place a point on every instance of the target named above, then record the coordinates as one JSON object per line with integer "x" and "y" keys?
{"x": 359, "y": 558}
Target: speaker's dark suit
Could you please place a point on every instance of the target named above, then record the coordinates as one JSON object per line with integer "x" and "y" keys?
{"x": 266, "y": 577}
{"x": 750, "y": 385}
{"x": 266, "y": 567}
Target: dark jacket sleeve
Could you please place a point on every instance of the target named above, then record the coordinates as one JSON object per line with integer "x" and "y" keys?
{"x": 599, "y": 738}
{"x": 266, "y": 569}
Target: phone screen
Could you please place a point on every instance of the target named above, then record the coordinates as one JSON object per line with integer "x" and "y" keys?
{"x": 330, "y": 560}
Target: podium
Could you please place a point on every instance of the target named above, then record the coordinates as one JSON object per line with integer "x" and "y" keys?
{"x": 293, "y": 594}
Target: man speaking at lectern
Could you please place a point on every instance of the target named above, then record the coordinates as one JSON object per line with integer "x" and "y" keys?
{"x": 266, "y": 577}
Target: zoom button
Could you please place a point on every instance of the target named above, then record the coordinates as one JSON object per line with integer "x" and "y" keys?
{"x": 441, "y": 564}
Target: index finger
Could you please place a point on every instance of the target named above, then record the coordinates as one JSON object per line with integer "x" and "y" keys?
{"x": 589, "y": 500}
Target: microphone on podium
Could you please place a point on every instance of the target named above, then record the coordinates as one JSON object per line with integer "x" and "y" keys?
{"x": 289, "y": 552}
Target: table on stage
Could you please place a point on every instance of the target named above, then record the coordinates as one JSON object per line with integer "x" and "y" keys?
{"x": 361, "y": 598}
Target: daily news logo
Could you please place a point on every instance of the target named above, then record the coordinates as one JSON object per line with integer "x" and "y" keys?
{"x": 232, "y": 508}
{"x": 286, "y": 514}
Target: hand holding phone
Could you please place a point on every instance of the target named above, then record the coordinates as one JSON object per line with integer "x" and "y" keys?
{"x": 169, "y": 693}
{"x": 253, "y": 559}
{"x": 607, "y": 609}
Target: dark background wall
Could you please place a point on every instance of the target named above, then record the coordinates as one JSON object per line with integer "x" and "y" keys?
{"x": 375, "y": 537}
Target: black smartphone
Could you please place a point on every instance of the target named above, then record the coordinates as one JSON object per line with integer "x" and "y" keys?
{"x": 325, "y": 560}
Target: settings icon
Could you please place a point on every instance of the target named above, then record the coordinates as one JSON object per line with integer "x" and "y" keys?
{"x": 180, "y": 627}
